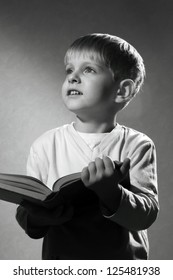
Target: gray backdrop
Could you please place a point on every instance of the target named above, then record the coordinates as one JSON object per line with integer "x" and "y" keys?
{"x": 34, "y": 36}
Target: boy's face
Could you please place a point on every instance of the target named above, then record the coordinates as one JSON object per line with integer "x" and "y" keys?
{"x": 89, "y": 88}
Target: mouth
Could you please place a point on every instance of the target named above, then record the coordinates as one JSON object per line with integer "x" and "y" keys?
{"x": 73, "y": 92}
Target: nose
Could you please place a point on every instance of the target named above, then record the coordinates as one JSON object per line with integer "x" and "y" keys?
{"x": 74, "y": 78}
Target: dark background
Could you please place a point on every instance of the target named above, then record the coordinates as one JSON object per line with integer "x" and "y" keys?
{"x": 34, "y": 36}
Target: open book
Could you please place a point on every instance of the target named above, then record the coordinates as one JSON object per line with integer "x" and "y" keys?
{"x": 16, "y": 188}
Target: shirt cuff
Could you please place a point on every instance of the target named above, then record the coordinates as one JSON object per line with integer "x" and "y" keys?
{"x": 106, "y": 212}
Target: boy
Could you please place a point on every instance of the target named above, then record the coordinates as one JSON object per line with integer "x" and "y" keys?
{"x": 103, "y": 74}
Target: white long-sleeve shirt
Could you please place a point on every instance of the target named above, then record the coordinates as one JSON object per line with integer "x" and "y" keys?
{"x": 62, "y": 151}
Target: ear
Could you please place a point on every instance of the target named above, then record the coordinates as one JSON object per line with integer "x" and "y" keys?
{"x": 125, "y": 91}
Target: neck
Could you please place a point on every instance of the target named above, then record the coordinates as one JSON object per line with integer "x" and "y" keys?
{"x": 93, "y": 126}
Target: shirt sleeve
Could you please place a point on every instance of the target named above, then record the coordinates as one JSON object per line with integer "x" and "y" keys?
{"x": 139, "y": 204}
{"x": 22, "y": 219}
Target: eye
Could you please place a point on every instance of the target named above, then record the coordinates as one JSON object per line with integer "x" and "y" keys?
{"x": 89, "y": 69}
{"x": 68, "y": 71}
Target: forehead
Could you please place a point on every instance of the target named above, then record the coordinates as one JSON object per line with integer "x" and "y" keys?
{"x": 84, "y": 55}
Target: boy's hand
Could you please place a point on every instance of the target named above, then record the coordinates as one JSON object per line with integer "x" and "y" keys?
{"x": 41, "y": 216}
{"x": 103, "y": 177}
{"x": 105, "y": 168}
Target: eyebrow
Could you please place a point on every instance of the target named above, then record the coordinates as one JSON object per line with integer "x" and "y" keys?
{"x": 85, "y": 63}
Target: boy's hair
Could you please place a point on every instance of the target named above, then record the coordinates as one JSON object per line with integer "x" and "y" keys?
{"x": 117, "y": 54}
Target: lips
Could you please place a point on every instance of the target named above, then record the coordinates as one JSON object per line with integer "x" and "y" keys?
{"x": 74, "y": 92}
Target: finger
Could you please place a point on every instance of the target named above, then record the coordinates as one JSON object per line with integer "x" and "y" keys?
{"x": 100, "y": 166}
{"x": 125, "y": 166}
{"x": 109, "y": 165}
{"x": 85, "y": 176}
{"x": 92, "y": 171}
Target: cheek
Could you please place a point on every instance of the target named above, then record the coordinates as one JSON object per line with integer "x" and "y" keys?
{"x": 103, "y": 90}
{"x": 97, "y": 86}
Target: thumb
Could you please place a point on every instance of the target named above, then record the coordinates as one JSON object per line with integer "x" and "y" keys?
{"x": 125, "y": 167}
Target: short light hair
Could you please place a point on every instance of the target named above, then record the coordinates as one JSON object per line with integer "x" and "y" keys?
{"x": 117, "y": 54}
